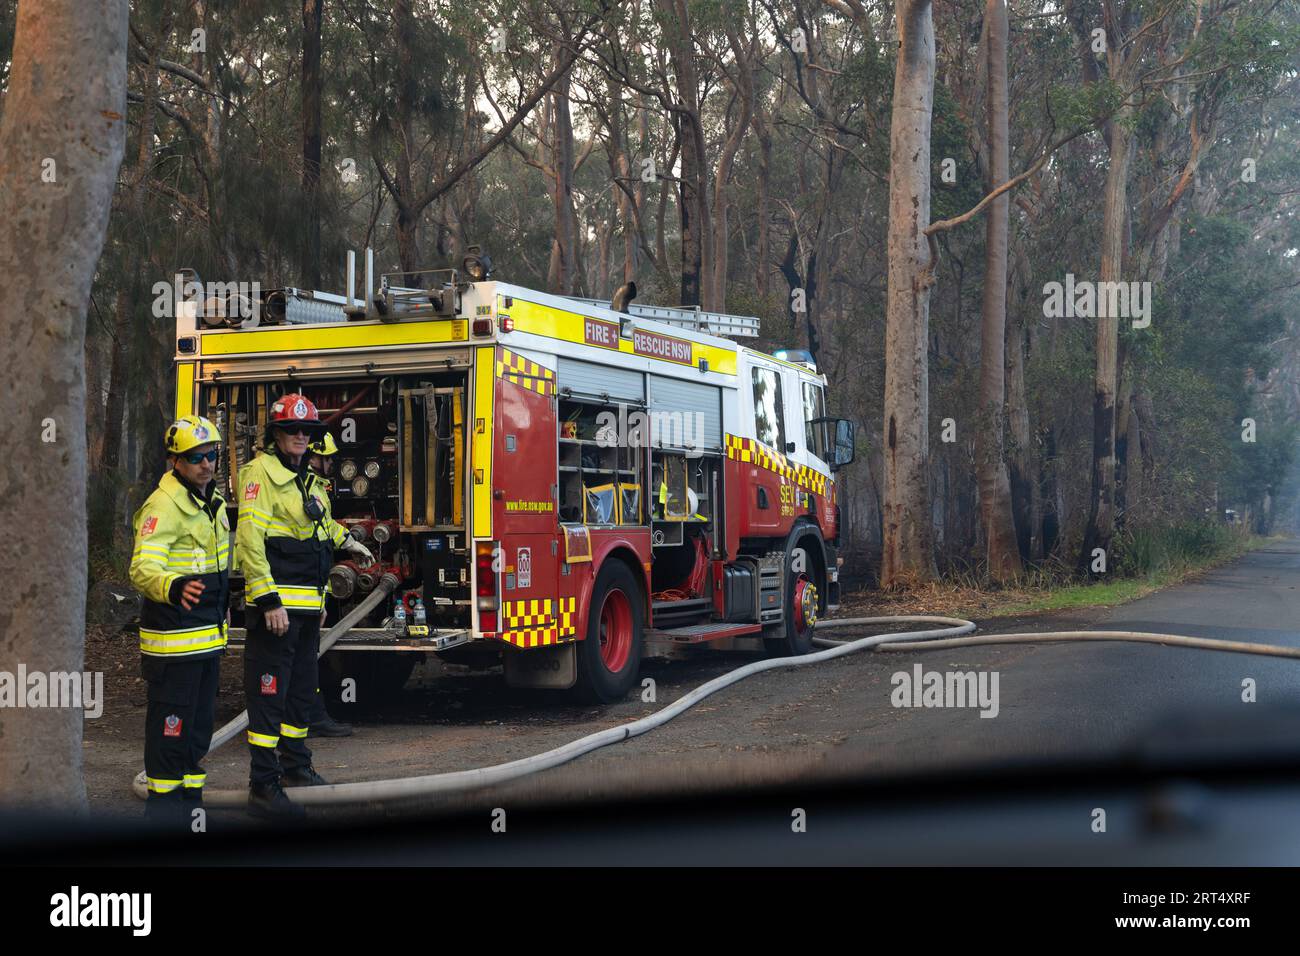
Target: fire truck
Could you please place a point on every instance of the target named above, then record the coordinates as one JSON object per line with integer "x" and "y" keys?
{"x": 565, "y": 485}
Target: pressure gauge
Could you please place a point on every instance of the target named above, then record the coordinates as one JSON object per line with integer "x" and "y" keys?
{"x": 348, "y": 470}
{"x": 372, "y": 470}
{"x": 360, "y": 486}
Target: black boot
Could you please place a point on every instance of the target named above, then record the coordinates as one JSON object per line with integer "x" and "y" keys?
{"x": 329, "y": 727}
{"x": 303, "y": 777}
{"x": 269, "y": 802}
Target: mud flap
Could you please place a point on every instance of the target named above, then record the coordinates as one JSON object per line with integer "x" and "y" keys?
{"x": 549, "y": 668}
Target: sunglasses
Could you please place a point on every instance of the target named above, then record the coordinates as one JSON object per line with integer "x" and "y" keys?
{"x": 195, "y": 457}
{"x": 295, "y": 431}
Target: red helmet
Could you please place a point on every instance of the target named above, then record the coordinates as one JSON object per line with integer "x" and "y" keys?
{"x": 295, "y": 409}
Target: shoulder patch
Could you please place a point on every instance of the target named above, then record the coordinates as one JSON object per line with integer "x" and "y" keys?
{"x": 149, "y": 526}
{"x": 251, "y": 490}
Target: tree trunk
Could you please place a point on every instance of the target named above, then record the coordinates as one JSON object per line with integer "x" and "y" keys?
{"x": 763, "y": 254}
{"x": 1101, "y": 516}
{"x": 744, "y": 86}
{"x": 1020, "y": 460}
{"x": 623, "y": 189}
{"x": 908, "y": 555}
{"x": 66, "y": 102}
{"x": 1002, "y": 551}
{"x": 117, "y": 382}
{"x": 696, "y": 230}
{"x": 564, "y": 247}
{"x": 311, "y": 140}
{"x": 408, "y": 218}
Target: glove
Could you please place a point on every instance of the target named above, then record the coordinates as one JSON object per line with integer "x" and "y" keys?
{"x": 362, "y": 553}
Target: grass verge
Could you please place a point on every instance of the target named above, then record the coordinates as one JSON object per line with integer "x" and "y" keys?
{"x": 1152, "y": 562}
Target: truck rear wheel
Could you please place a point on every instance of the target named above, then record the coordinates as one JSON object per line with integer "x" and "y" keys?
{"x": 610, "y": 657}
{"x": 803, "y": 594}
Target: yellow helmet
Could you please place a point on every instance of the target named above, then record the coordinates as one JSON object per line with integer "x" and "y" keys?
{"x": 190, "y": 431}
{"x": 323, "y": 446}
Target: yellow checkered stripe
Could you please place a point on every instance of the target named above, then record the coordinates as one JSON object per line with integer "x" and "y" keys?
{"x": 535, "y": 622}
{"x": 567, "y": 620}
{"x": 531, "y": 637}
{"x": 529, "y": 613}
{"x": 756, "y": 453}
{"x": 525, "y": 373}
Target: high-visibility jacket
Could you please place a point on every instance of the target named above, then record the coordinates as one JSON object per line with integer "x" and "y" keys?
{"x": 177, "y": 539}
{"x": 284, "y": 554}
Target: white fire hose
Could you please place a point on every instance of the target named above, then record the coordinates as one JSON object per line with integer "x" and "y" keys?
{"x": 377, "y": 791}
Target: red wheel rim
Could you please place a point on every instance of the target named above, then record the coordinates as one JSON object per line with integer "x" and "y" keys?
{"x": 805, "y": 604}
{"x": 615, "y": 631}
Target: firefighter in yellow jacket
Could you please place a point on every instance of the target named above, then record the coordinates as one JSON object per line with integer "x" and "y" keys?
{"x": 181, "y": 565}
{"x": 286, "y": 540}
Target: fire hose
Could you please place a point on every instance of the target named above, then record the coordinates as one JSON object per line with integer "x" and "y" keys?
{"x": 947, "y": 636}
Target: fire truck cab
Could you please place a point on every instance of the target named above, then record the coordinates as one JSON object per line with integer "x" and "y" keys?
{"x": 567, "y": 485}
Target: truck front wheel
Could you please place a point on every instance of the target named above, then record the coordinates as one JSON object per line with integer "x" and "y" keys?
{"x": 803, "y": 595}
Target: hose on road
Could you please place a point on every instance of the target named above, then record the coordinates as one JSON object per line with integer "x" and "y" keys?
{"x": 946, "y": 636}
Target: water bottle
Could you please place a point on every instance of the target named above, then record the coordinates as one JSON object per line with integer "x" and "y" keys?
{"x": 399, "y": 615}
{"x": 420, "y": 618}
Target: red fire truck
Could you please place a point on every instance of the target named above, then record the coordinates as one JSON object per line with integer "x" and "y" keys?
{"x": 565, "y": 485}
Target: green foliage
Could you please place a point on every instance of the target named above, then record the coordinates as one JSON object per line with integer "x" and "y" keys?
{"x": 1074, "y": 105}
{"x": 1146, "y": 551}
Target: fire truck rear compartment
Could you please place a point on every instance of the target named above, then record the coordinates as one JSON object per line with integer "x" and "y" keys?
{"x": 398, "y": 486}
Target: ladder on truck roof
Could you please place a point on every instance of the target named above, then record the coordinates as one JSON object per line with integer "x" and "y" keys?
{"x": 695, "y": 319}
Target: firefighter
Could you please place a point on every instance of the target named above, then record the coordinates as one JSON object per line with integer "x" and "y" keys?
{"x": 286, "y": 540}
{"x": 181, "y": 565}
{"x": 320, "y": 463}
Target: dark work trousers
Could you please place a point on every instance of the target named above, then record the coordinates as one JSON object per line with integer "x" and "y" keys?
{"x": 182, "y": 698}
{"x": 318, "y": 712}
{"x": 280, "y": 687}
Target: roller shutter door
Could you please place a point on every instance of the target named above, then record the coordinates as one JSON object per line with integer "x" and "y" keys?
{"x": 694, "y": 412}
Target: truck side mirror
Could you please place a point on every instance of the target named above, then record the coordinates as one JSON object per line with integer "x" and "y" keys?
{"x": 845, "y": 443}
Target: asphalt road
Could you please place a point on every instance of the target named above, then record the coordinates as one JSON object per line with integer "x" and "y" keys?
{"x": 1055, "y": 703}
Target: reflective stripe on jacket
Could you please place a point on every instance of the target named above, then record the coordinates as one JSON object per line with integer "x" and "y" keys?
{"x": 285, "y": 555}
{"x": 176, "y": 538}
